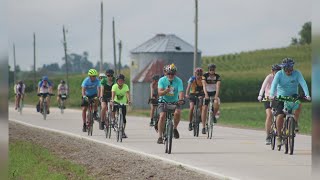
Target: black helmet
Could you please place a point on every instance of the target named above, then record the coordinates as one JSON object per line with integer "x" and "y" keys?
{"x": 156, "y": 77}
{"x": 211, "y": 66}
{"x": 276, "y": 67}
{"x": 62, "y": 82}
{"x": 110, "y": 71}
{"x": 20, "y": 82}
{"x": 120, "y": 76}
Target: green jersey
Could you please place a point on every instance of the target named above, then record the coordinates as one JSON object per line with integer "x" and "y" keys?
{"x": 107, "y": 87}
{"x": 120, "y": 94}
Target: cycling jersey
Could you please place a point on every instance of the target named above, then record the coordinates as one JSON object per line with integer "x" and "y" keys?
{"x": 20, "y": 88}
{"x": 211, "y": 81}
{"x": 62, "y": 89}
{"x": 120, "y": 94}
{"x": 175, "y": 86}
{"x": 288, "y": 85}
{"x": 266, "y": 85}
{"x": 107, "y": 87}
{"x": 196, "y": 85}
{"x": 90, "y": 86}
{"x": 44, "y": 86}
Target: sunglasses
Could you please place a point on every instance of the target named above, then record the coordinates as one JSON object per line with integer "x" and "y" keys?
{"x": 289, "y": 69}
{"x": 110, "y": 75}
{"x": 171, "y": 74}
{"x": 212, "y": 69}
{"x": 199, "y": 74}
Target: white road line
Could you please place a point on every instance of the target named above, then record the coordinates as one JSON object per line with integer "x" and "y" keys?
{"x": 214, "y": 174}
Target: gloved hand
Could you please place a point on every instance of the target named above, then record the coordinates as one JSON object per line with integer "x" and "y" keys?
{"x": 308, "y": 98}
{"x": 259, "y": 98}
{"x": 85, "y": 97}
{"x": 271, "y": 97}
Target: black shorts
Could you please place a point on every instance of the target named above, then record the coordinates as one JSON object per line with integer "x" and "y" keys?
{"x": 268, "y": 104}
{"x": 193, "y": 98}
{"x": 278, "y": 105}
{"x": 210, "y": 94}
{"x": 86, "y": 103}
{"x": 106, "y": 99}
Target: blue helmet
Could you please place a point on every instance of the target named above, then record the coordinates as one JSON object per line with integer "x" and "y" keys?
{"x": 287, "y": 63}
{"x": 45, "y": 78}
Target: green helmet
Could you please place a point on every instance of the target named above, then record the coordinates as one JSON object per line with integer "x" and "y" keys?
{"x": 93, "y": 72}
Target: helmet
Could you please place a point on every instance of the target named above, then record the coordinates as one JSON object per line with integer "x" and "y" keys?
{"x": 120, "y": 76}
{"x": 102, "y": 75}
{"x": 156, "y": 77}
{"x": 45, "y": 78}
{"x": 62, "y": 82}
{"x": 276, "y": 67}
{"x": 212, "y": 66}
{"x": 171, "y": 68}
{"x": 92, "y": 72}
{"x": 20, "y": 82}
{"x": 110, "y": 71}
{"x": 198, "y": 70}
{"x": 287, "y": 63}
{"x": 165, "y": 68}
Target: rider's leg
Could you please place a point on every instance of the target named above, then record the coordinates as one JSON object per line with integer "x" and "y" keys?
{"x": 216, "y": 106}
{"x": 191, "y": 111}
{"x": 40, "y": 99}
{"x": 297, "y": 113}
{"x": 103, "y": 110}
{"x": 84, "y": 116}
{"x": 58, "y": 100}
{"x": 151, "y": 111}
{"x": 16, "y": 102}
{"x": 177, "y": 115}
{"x": 161, "y": 123}
{"x": 204, "y": 114}
{"x": 268, "y": 121}
{"x": 48, "y": 102}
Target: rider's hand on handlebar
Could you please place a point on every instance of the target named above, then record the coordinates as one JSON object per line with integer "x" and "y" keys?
{"x": 259, "y": 98}
{"x": 187, "y": 96}
{"x": 308, "y": 98}
{"x": 85, "y": 97}
{"x": 271, "y": 97}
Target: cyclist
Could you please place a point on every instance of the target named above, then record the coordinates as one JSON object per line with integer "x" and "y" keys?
{"x": 62, "y": 90}
{"x": 45, "y": 86}
{"x": 265, "y": 88}
{"x": 105, "y": 94}
{"x": 19, "y": 91}
{"x": 194, "y": 88}
{"x": 287, "y": 81}
{"x": 170, "y": 88}
{"x": 153, "y": 96}
{"x": 90, "y": 90}
{"x": 121, "y": 94}
{"x": 211, "y": 87}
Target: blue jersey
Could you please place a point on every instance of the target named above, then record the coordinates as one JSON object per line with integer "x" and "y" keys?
{"x": 90, "y": 86}
{"x": 288, "y": 85}
{"x": 175, "y": 86}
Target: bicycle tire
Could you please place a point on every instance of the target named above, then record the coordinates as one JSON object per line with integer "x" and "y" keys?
{"x": 61, "y": 107}
{"x": 20, "y": 106}
{"x": 211, "y": 127}
{"x": 286, "y": 136}
{"x": 291, "y": 135}
{"x": 194, "y": 121}
{"x": 120, "y": 126}
{"x": 44, "y": 110}
{"x": 117, "y": 129}
{"x": 170, "y": 132}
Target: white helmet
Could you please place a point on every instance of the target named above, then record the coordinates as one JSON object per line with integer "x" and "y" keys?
{"x": 102, "y": 75}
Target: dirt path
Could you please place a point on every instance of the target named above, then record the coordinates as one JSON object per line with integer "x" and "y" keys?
{"x": 102, "y": 161}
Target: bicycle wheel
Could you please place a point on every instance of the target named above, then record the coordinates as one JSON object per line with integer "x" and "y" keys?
{"x": 194, "y": 123}
{"x": 61, "y": 106}
{"x": 120, "y": 126}
{"x": 169, "y": 136}
{"x": 273, "y": 134}
{"x": 20, "y": 106}
{"x": 291, "y": 135}
{"x": 211, "y": 126}
{"x": 286, "y": 136}
{"x": 44, "y": 110}
{"x": 90, "y": 124}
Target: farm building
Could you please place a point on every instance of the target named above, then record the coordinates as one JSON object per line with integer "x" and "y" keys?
{"x": 150, "y": 57}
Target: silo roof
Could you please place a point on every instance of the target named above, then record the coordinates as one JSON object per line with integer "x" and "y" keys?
{"x": 164, "y": 43}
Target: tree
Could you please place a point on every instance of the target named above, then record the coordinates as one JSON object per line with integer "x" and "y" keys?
{"x": 305, "y": 35}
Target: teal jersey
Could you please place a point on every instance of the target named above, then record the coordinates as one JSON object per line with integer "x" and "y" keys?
{"x": 176, "y": 86}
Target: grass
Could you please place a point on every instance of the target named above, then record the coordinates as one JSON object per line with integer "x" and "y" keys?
{"x": 30, "y": 161}
{"x": 246, "y": 115}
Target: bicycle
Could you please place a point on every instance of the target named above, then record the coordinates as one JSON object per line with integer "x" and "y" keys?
{"x": 119, "y": 119}
{"x": 155, "y": 117}
{"x": 288, "y": 134}
{"x": 44, "y": 104}
{"x": 21, "y": 104}
{"x": 90, "y": 121}
{"x": 273, "y": 130}
{"x": 196, "y": 115}
{"x": 107, "y": 121}
{"x": 168, "y": 129}
{"x": 210, "y": 121}
{"x": 61, "y": 104}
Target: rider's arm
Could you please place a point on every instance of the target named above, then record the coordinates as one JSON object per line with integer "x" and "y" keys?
{"x": 180, "y": 90}
{"x": 162, "y": 90}
{"x": 128, "y": 96}
{"x": 264, "y": 85}
{"x": 151, "y": 90}
{"x": 101, "y": 91}
{"x": 217, "y": 89}
{"x": 113, "y": 93}
{"x": 58, "y": 89}
{"x": 188, "y": 89}
{"x": 98, "y": 90}
{"x": 204, "y": 86}
{"x": 303, "y": 84}
{"x": 83, "y": 91}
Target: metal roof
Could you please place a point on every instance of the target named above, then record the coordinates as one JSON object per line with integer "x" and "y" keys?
{"x": 155, "y": 67}
{"x": 164, "y": 43}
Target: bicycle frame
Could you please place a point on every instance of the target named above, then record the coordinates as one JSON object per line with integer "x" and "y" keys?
{"x": 168, "y": 131}
{"x": 196, "y": 116}
{"x": 108, "y": 120}
{"x": 90, "y": 121}
{"x": 44, "y": 103}
{"x": 120, "y": 124}
{"x": 210, "y": 117}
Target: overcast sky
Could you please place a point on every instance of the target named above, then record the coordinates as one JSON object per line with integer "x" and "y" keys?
{"x": 225, "y": 26}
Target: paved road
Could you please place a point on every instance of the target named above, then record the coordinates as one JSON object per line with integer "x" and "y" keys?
{"x": 232, "y": 153}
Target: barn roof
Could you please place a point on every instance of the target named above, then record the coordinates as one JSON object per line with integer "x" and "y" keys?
{"x": 155, "y": 67}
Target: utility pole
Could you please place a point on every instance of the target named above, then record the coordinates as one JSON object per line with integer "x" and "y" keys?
{"x": 65, "y": 55}
{"x": 195, "y": 36}
{"x": 101, "y": 40}
{"x": 119, "y": 65}
{"x": 34, "y": 62}
{"x": 14, "y": 63}
{"x": 114, "y": 48}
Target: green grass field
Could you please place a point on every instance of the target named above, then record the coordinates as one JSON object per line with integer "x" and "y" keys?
{"x": 29, "y": 161}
